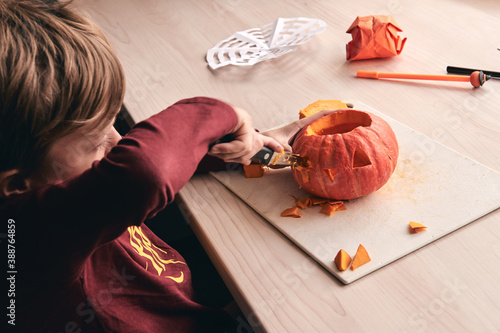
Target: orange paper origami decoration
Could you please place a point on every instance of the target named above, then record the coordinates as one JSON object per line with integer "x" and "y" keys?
{"x": 374, "y": 36}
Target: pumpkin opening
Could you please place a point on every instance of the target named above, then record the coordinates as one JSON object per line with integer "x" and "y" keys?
{"x": 339, "y": 122}
{"x": 360, "y": 159}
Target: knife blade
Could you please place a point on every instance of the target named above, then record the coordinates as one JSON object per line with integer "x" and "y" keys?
{"x": 268, "y": 156}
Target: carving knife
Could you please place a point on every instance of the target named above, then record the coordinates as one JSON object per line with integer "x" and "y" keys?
{"x": 269, "y": 157}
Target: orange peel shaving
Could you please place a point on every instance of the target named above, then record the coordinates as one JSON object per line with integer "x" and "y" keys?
{"x": 360, "y": 258}
{"x": 253, "y": 170}
{"x": 291, "y": 212}
{"x": 342, "y": 260}
{"x": 417, "y": 227}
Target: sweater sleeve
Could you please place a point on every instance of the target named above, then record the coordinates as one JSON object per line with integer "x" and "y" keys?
{"x": 159, "y": 155}
{"x": 138, "y": 178}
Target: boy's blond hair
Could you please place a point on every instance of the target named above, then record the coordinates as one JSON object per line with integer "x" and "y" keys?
{"x": 58, "y": 72}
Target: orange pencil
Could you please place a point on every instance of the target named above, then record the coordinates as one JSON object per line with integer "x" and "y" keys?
{"x": 477, "y": 78}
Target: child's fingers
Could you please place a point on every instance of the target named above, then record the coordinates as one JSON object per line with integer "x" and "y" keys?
{"x": 237, "y": 151}
{"x": 233, "y": 149}
{"x": 246, "y": 142}
{"x": 240, "y": 145}
{"x": 275, "y": 145}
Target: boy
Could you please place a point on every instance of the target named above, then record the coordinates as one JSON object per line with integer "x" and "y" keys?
{"x": 76, "y": 194}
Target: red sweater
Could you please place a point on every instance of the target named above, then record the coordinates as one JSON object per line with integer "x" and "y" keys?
{"x": 84, "y": 260}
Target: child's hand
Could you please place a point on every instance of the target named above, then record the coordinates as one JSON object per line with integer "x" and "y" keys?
{"x": 246, "y": 142}
{"x": 286, "y": 134}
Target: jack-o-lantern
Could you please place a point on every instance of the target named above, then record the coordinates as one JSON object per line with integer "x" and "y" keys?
{"x": 350, "y": 154}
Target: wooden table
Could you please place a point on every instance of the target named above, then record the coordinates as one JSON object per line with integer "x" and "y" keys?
{"x": 450, "y": 285}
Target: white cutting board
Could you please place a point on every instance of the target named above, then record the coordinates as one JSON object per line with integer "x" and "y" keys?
{"x": 432, "y": 184}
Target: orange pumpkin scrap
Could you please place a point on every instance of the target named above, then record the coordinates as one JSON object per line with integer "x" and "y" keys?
{"x": 417, "y": 227}
{"x": 321, "y": 105}
{"x": 330, "y": 207}
{"x": 307, "y": 201}
{"x": 302, "y": 203}
{"x": 304, "y": 173}
{"x": 350, "y": 154}
{"x": 318, "y": 201}
{"x": 327, "y": 209}
{"x": 253, "y": 170}
{"x": 342, "y": 260}
{"x": 360, "y": 258}
{"x": 291, "y": 212}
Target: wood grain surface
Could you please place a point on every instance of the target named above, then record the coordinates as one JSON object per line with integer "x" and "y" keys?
{"x": 450, "y": 285}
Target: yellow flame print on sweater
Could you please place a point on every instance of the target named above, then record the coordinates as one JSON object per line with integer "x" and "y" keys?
{"x": 148, "y": 250}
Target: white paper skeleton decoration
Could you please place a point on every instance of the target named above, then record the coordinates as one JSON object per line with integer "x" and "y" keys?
{"x": 245, "y": 48}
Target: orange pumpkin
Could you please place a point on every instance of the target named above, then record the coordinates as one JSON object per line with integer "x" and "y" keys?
{"x": 350, "y": 154}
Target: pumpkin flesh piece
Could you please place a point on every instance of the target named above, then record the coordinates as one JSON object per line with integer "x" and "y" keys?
{"x": 360, "y": 258}
{"x": 291, "y": 212}
{"x": 417, "y": 227}
{"x": 331, "y": 207}
{"x": 328, "y": 209}
{"x": 340, "y": 205}
{"x": 307, "y": 201}
{"x": 342, "y": 260}
{"x": 300, "y": 203}
{"x": 318, "y": 201}
{"x": 304, "y": 173}
{"x": 253, "y": 170}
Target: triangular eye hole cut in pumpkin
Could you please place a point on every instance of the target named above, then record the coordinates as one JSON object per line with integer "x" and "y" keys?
{"x": 360, "y": 159}
{"x": 330, "y": 173}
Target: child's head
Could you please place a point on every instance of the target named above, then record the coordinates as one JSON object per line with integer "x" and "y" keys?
{"x": 60, "y": 80}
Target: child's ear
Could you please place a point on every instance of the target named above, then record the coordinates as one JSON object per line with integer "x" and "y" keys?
{"x": 12, "y": 182}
